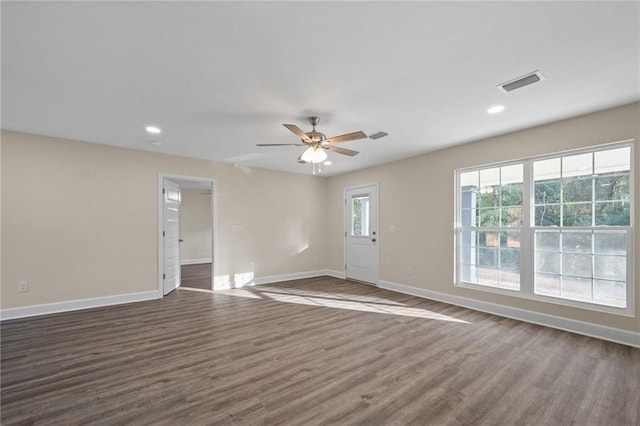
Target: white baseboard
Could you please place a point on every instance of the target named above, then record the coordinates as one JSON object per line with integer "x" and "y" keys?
{"x": 74, "y": 305}
{"x": 335, "y": 274}
{"x": 616, "y": 335}
{"x": 248, "y": 280}
{"x": 239, "y": 281}
{"x": 289, "y": 277}
{"x": 194, "y": 261}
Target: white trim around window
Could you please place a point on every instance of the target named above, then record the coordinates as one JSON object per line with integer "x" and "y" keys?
{"x": 496, "y": 246}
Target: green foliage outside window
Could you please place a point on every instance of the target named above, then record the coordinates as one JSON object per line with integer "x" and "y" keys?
{"x": 579, "y": 208}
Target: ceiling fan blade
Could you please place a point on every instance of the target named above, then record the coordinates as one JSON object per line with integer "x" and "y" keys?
{"x": 340, "y": 150}
{"x": 347, "y": 137}
{"x": 295, "y": 129}
{"x": 280, "y": 144}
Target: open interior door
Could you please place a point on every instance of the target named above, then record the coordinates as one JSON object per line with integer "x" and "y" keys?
{"x": 171, "y": 236}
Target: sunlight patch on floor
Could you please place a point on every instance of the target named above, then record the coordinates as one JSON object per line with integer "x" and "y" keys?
{"x": 329, "y": 295}
{"x": 359, "y": 306}
{"x": 352, "y": 302}
{"x": 239, "y": 292}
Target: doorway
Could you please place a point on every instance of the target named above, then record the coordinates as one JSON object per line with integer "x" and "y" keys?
{"x": 361, "y": 233}
{"x": 186, "y": 233}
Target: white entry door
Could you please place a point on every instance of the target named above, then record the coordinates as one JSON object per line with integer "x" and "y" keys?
{"x": 361, "y": 233}
{"x": 171, "y": 236}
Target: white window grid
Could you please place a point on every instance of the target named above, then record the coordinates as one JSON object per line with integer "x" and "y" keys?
{"x": 527, "y": 256}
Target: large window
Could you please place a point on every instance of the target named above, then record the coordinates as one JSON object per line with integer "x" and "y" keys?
{"x": 551, "y": 228}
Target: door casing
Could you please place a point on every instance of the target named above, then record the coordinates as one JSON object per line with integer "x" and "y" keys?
{"x": 214, "y": 227}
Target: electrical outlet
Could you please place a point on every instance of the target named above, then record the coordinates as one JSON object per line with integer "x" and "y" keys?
{"x": 23, "y": 286}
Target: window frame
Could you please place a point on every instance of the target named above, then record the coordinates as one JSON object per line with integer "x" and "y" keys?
{"x": 527, "y": 252}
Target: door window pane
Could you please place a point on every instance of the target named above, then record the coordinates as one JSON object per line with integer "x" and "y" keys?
{"x": 360, "y": 216}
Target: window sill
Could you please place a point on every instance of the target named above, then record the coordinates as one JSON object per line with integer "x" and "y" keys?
{"x": 627, "y": 312}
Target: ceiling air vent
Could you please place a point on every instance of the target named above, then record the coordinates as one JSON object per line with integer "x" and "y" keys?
{"x": 525, "y": 80}
{"x": 378, "y": 135}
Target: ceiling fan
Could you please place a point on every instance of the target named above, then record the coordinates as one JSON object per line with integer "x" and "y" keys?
{"x": 317, "y": 143}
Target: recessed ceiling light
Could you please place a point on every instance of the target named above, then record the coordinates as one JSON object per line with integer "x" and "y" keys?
{"x": 153, "y": 129}
{"x": 495, "y": 109}
{"x": 327, "y": 163}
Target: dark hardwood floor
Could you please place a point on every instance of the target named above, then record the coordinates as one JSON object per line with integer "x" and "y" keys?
{"x": 306, "y": 352}
{"x": 196, "y": 276}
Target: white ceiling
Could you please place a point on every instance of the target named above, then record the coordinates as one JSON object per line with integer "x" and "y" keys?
{"x": 219, "y": 77}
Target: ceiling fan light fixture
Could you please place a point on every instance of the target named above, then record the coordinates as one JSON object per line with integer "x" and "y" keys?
{"x": 314, "y": 155}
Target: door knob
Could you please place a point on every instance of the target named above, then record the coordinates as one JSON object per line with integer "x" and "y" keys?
{"x": 373, "y": 240}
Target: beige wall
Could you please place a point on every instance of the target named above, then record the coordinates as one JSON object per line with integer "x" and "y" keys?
{"x": 80, "y": 220}
{"x": 424, "y": 237}
{"x": 195, "y": 224}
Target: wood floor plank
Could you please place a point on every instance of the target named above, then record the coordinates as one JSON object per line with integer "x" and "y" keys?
{"x": 313, "y": 351}
{"x": 196, "y": 276}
